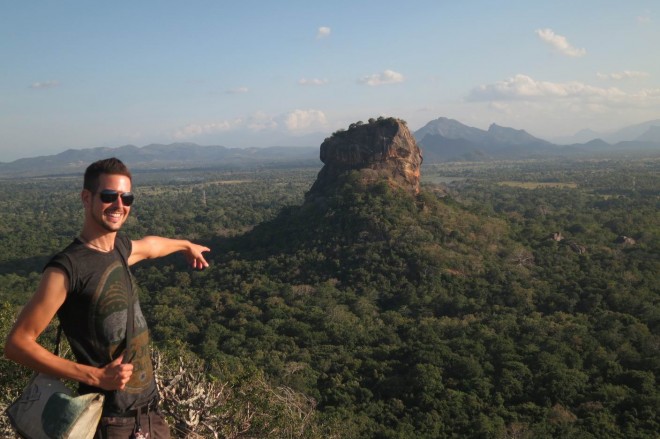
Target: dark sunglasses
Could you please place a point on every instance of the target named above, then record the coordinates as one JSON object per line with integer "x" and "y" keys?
{"x": 109, "y": 196}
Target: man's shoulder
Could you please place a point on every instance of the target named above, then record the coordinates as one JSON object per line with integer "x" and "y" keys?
{"x": 64, "y": 258}
{"x": 123, "y": 244}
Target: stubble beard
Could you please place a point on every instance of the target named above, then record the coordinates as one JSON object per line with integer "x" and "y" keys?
{"x": 110, "y": 226}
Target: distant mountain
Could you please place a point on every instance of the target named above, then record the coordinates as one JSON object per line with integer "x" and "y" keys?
{"x": 448, "y": 139}
{"x": 451, "y": 129}
{"x": 632, "y": 132}
{"x": 582, "y": 136}
{"x": 651, "y": 135}
{"x": 627, "y": 134}
{"x": 157, "y": 156}
{"x": 507, "y": 138}
{"x": 441, "y": 140}
{"x": 593, "y": 145}
{"x": 437, "y": 148}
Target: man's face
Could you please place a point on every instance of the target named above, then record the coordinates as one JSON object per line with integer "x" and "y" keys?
{"x": 109, "y": 216}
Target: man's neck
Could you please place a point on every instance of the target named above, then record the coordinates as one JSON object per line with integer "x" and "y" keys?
{"x": 101, "y": 241}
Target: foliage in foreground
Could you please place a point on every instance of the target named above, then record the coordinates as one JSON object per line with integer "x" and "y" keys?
{"x": 199, "y": 404}
{"x": 196, "y": 402}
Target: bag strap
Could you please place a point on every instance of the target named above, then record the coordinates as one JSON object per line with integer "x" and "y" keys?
{"x": 130, "y": 314}
{"x": 58, "y": 339}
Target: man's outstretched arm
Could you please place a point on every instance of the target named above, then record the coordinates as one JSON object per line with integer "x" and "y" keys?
{"x": 151, "y": 247}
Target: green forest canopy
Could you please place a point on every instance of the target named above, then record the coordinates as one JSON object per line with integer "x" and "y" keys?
{"x": 504, "y": 301}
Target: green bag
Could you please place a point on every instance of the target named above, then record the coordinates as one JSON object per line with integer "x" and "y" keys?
{"x": 47, "y": 409}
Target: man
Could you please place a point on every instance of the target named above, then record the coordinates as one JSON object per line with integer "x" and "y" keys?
{"x": 88, "y": 285}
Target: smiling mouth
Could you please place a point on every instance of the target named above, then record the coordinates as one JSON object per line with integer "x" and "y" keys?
{"x": 114, "y": 214}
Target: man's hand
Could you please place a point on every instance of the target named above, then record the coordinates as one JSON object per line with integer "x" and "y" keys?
{"x": 115, "y": 375}
{"x": 195, "y": 257}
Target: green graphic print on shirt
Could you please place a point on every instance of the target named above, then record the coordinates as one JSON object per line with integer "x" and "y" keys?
{"x": 109, "y": 311}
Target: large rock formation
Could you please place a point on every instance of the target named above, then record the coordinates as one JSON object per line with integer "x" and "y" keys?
{"x": 381, "y": 150}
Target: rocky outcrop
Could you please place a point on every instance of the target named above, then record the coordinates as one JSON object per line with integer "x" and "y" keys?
{"x": 557, "y": 236}
{"x": 577, "y": 248}
{"x": 382, "y": 149}
{"x": 626, "y": 240}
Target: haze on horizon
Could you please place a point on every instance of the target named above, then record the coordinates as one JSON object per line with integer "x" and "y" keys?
{"x": 256, "y": 73}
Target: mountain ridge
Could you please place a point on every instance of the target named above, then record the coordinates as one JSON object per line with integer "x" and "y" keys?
{"x": 442, "y": 139}
{"x": 445, "y": 139}
{"x": 449, "y": 139}
{"x": 160, "y": 156}
{"x": 628, "y": 133}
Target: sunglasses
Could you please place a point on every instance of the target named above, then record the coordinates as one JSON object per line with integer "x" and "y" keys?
{"x": 110, "y": 196}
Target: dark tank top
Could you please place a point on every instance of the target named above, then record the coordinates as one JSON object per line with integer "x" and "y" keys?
{"x": 94, "y": 315}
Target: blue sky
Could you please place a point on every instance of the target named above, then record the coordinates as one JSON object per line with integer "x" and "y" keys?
{"x": 81, "y": 74}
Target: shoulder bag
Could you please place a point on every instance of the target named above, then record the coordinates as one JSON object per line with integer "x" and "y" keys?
{"x": 47, "y": 409}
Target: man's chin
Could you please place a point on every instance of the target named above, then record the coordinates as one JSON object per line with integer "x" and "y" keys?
{"x": 112, "y": 224}
{"x": 112, "y": 227}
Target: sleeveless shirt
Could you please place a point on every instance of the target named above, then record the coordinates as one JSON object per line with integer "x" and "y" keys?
{"x": 94, "y": 315}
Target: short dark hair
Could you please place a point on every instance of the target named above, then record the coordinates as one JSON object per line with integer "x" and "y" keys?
{"x": 106, "y": 166}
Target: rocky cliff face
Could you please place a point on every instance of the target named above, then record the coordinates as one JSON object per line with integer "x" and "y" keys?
{"x": 382, "y": 149}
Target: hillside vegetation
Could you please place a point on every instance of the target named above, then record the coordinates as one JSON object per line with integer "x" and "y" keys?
{"x": 475, "y": 309}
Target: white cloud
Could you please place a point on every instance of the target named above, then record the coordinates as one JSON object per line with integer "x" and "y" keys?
{"x": 314, "y": 81}
{"x": 522, "y": 87}
{"x": 260, "y": 121}
{"x": 626, "y": 74}
{"x": 194, "y": 130}
{"x": 650, "y": 94}
{"x": 644, "y": 18}
{"x": 560, "y": 43}
{"x": 294, "y": 122}
{"x": 45, "y": 84}
{"x": 323, "y": 32}
{"x": 238, "y": 90}
{"x": 500, "y": 107}
{"x": 301, "y": 121}
{"x": 387, "y": 77}
{"x": 525, "y": 88}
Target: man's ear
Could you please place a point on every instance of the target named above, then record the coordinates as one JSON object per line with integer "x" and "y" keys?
{"x": 86, "y": 198}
